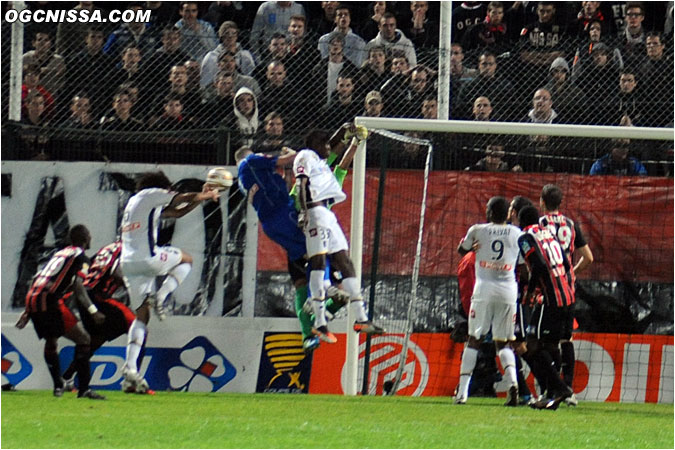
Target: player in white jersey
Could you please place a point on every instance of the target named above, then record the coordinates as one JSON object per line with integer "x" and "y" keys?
{"x": 493, "y": 303}
{"x": 317, "y": 189}
{"x": 142, "y": 259}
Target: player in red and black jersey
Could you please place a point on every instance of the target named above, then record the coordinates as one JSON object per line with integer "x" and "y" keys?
{"x": 51, "y": 317}
{"x": 102, "y": 281}
{"x": 548, "y": 271}
{"x": 571, "y": 239}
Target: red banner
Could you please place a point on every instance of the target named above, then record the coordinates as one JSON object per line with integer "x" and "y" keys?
{"x": 627, "y": 221}
{"x": 609, "y": 367}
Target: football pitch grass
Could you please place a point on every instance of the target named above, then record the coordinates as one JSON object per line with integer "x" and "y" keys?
{"x": 36, "y": 419}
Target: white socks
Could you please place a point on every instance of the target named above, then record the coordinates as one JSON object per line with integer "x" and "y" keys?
{"x": 318, "y": 296}
{"x": 176, "y": 276}
{"x": 356, "y": 306}
{"x": 469, "y": 358}
{"x": 508, "y": 360}
{"x": 136, "y": 335}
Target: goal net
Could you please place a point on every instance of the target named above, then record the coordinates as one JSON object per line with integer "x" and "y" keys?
{"x": 419, "y": 203}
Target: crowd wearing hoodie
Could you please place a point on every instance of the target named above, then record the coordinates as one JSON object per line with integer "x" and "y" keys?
{"x": 232, "y": 64}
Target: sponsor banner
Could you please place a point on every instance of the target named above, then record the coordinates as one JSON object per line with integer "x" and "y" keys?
{"x": 609, "y": 367}
{"x": 284, "y": 367}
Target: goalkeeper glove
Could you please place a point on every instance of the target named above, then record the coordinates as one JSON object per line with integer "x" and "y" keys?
{"x": 361, "y": 133}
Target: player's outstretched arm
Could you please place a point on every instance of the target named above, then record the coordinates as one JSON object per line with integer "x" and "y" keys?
{"x": 182, "y": 204}
{"x": 84, "y": 300}
{"x": 286, "y": 157}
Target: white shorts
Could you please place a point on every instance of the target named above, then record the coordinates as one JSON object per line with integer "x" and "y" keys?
{"x": 139, "y": 275}
{"x": 323, "y": 233}
{"x": 498, "y": 315}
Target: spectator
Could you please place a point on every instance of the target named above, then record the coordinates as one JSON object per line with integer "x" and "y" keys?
{"x": 324, "y": 23}
{"x": 354, "y": 44}
{"x": 164, "y": 58}
{"x": 272, "y": 17}
{"x": 491, "y": 33}
{"x": 179, "y": 86}
{"x": 172, "y": 116}
{"x": 31, "y": 84}
{"x": 52, "y": 66}
{"x": 658, "y": 70}
{"x": 493, "y": 161}
{"x": 140, "y": 34}
{"x": 373, "y": 104}
{"x": 343, "y": 106}
{"x": 459, "y": 75}
{"x": 280, "y": 95}
{"x": 301, "y": 52}
{"x": 246, "y": 117}
{"x": 197, "y": 36}
{"x": 228, "y": 64}
{"x": 35, "y": 140}
{"x": 617, "y": 161}
{"x": 397, "y": 87}
{"x": 597, "y": 81}
{"x": 540, "y": 43}
{"x": 570, "y": 100}
{"x": 541, "y": 149}
{"x": 80, "y": 113}
{"x": 219, "y": 109}
{"x": 228, "y": 33}
{"x": 371, "y": 27}
{"x": 325, "y": 73}
{"x": 408, "y": 155}
{"x": 423, "y": 31}
{"x": 590, "y": 12}
{"x": 89, "y": 69}
{"x": 487, "y": 84}
{"x": 272, "y": 139}
{"x": 277, "y": 50}
{"x": 131, "y": 66}
{"x": 542, "y": 111}
{"x": 482, "y": 109}
{"x": 593, "y": 37}
{"x": 628, "y": 105}
{"x": 429, "y": 108}
{"x": 162, "y": 14}
{"x": 421, "y": 86}
{"x": 392, "y": 39}
{"x": 70, "y": 36}
{"x": 120, "y": 117}
{"x": 633, "y": 39}
{"x": 374, "y": 73}
{"x": 464, "y": 16}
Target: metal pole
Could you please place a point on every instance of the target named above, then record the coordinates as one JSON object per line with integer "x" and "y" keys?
{"x": 445, "y": 34}
{"x": 16, "y": 66}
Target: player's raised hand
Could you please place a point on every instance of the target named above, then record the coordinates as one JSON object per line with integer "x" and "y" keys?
{"x": 210, "y": 192}
{"x": 23, "y": 321}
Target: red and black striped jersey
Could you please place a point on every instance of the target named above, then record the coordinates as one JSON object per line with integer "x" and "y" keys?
{"x": 101, "y": 281}
{"x": 548, "y": 265}
{"x": 56, "y": 278}
{"x": 565, "y": 230}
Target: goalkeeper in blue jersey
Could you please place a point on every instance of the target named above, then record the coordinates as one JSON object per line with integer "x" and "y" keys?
{"x": 266, "y": 190}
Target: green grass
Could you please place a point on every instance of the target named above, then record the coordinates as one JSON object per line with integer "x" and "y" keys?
{"x": 35, "y": 419}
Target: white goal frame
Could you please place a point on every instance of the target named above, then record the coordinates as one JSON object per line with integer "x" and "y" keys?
{"x": 453, "y": 126}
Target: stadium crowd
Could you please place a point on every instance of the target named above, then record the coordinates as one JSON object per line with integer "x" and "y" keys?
{"x": 267, "y": 71}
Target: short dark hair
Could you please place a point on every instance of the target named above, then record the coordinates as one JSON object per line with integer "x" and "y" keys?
{"x": 299, "y": 18}
{"x": 388, "y": 15}
{"x": 79, "y": 235}
{"x": 497, "y": 209}
{"x": 638, "y": 5}
{"x": 153, "y": 180}
{"x": 493, "y": 5}
{"x": 654, "y": 34}
{"x": 170, "y": 29}
{"x": 527, "y": 216}
{"x": 173, "y": 97}
{"x": 552, "y": 196}
{"x": 316, "y": 138}
{"x": 519, "y": 202}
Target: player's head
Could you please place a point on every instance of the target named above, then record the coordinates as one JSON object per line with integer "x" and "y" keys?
{"x": 317, "y": 140}
{"x": 528, "y": 216}
{"x": 241, "y": 154}
{"x": 518, "y": 203}
{"x": 79, "y": 236}
{"x": 551, "y": 197}
{"x": 497, "y": 210}
{"x": 153, "y": 180}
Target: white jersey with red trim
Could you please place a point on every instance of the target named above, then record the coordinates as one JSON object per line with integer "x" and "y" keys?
{"x": 322, "y": 182}
{"x": 140, "y": 224}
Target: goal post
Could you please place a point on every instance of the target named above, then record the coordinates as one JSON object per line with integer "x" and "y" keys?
{"x": 358, "y": 206}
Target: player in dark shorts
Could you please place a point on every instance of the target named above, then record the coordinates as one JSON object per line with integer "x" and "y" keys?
{"x": 103, "y": 279}
{"x": 52, "y": 318}
{"x": 548, "y": 271}
{"x": 572, "y": 241}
